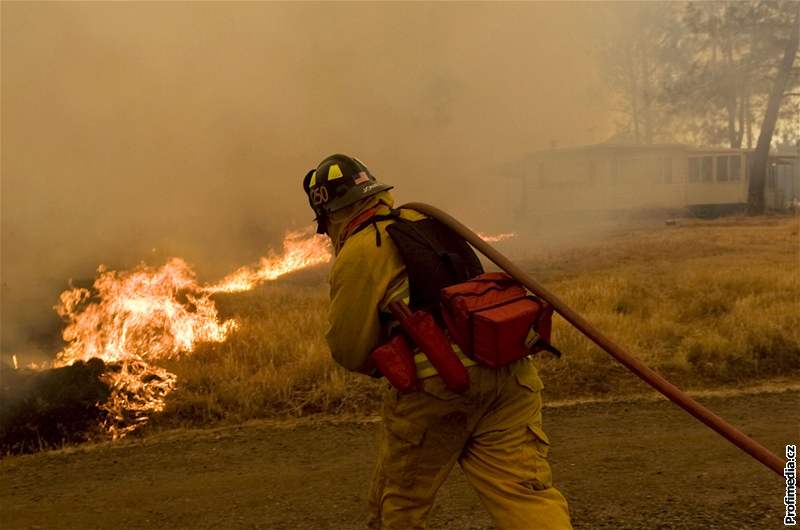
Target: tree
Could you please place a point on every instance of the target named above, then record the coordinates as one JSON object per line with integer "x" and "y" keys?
{"x": 699, "y": 72}
{"x": 641, "y": 48}
{"x": 727, "y": 43}
{"x": 758, "y": 166}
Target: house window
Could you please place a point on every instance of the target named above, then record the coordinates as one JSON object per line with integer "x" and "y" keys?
{"x": 666, "y": 170}
{"x": 735, "y": 167}
{"x": 707, "y": 169}
{"x": 694, "y": 170}
{"x": 722, "y": 169}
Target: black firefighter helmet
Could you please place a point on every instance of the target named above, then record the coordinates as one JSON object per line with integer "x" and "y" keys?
{"x": 338, "y": 182}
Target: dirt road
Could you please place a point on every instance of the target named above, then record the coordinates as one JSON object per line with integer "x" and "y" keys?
{"x": 644, "y": 465}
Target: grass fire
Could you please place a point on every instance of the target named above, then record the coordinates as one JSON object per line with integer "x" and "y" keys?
{"x": 490, "y": 265}
{"x": 231, "y": 352}
{"x": 129, "y": 323}
{"x": 127, "y": 326}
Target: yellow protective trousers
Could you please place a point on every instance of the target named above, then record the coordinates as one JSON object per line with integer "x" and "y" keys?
{"x": 494, "y": 431}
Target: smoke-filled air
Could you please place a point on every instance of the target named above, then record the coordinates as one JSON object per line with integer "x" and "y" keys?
{"x": 136, "y": 132}
{"x": 164, "y": 173}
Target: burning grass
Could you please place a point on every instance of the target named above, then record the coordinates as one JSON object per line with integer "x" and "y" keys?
{"x": 140, "y": 319}
{"x": 276, "y": 364}
{"x": 706, "y": 303}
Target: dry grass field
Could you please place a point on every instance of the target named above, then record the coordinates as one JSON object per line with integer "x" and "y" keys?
{"x": 707, "y": 303}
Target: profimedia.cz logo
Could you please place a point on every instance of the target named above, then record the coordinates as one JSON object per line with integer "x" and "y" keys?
{"x": 790, "y": 473}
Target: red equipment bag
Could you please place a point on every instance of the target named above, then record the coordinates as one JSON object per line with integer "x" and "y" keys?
{"x": 495, "y": 321}
{"x": 395, "y": 360}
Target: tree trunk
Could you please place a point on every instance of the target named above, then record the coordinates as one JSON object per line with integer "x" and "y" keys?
{"x": 758, "y": 166}
{"x": 731, "y": 95}
{"x": 740, "y": 131}
{"x": 748, "y": 116}
{"x": 730, "y": 107}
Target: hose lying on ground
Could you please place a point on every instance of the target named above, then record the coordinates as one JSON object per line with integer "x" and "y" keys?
{"x": 641, "y": 370}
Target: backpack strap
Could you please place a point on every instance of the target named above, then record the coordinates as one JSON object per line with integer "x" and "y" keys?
{"x": 434, "y": 256}
{"x": 373, "y": 220}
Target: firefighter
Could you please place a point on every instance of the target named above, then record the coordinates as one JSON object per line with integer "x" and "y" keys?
{"x": 493, "y": 430}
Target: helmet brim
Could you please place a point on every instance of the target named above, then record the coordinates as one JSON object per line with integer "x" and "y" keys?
{"x": 355, "y": 194}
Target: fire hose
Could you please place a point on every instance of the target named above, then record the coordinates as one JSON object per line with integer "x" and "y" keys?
{"x": 641, "y": 370}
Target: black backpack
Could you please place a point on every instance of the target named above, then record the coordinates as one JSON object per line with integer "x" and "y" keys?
{"x": 434, "y": 255}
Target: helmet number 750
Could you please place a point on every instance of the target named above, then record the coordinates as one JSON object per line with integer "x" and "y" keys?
{"x": 319, "y": 195}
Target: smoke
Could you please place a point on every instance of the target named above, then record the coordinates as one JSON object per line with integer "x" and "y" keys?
{"x": 136, "y": 131}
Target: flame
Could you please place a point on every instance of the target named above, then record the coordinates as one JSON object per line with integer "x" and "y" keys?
{"x": 138, "y": 389}
{"x": 147, "y": 313}
{"x": 132, "y": 319}
{"x": 42, "y": 365}
{"x": 299, "y": 251}
{"x": 14, "y": 360}
{"x": 494, "y": 238}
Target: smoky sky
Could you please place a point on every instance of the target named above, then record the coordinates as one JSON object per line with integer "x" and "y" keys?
{"x": 135, "y": 131}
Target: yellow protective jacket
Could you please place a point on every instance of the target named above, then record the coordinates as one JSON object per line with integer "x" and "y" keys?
{"x": 364, "y": 278}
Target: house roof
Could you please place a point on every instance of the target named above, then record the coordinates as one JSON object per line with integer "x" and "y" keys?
{"x": 517, "y": 168}
{"x": 609, "y": 147}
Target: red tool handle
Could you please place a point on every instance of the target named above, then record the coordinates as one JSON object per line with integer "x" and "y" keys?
{"x": 430, "y": 338}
